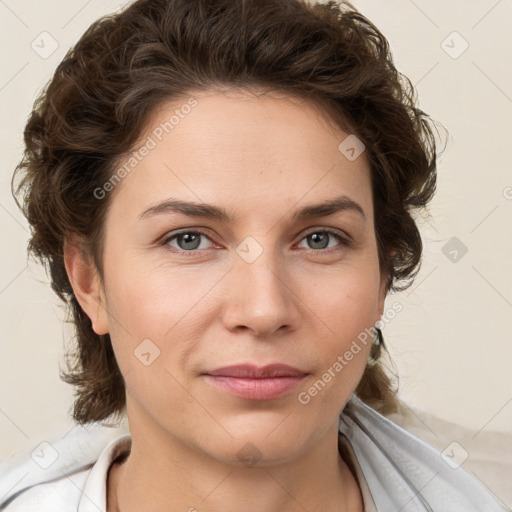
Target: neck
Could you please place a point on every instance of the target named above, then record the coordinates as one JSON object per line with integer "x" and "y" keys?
{"x": 156, "y": 475}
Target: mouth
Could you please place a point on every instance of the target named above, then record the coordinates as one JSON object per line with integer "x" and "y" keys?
{"x": 256, "y": 383}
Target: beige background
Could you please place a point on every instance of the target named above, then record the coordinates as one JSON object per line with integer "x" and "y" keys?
{"x": 452, "y": 342}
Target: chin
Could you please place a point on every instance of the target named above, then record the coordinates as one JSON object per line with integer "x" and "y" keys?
{"x": 262, "y": 444}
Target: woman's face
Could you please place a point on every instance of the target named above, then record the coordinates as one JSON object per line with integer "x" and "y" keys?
{"x": 185, "y": 295}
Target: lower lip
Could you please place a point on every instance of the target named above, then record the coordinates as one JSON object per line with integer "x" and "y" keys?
{"x": 255, "y": 389}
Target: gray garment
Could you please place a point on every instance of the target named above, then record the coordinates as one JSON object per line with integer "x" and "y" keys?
{"x": 396, "y": 471}
{"x": 405, "y": 474}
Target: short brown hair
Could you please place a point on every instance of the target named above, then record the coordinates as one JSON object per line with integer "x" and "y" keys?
{"x": 96, "y": 105}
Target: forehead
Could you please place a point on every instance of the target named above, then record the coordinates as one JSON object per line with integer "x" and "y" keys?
{"x": 243, "y": 150}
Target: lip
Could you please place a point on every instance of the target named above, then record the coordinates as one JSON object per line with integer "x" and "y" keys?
{"x": 256, "y": 383}
{"x": 251, "y": 371}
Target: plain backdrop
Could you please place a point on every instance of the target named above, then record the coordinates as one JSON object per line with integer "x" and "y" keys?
{"x": 451, "y": 343}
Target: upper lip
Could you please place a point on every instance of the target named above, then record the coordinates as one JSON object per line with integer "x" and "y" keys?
{"x": 254, "y": 372}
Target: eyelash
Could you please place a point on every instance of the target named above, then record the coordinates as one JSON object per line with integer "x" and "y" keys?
{"x": 345, "y": 241}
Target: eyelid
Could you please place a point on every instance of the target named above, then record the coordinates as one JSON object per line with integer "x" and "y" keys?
{"x": 324, "y": 229}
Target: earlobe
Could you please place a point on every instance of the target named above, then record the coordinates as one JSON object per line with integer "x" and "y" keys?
{"x": 87, "y": 287}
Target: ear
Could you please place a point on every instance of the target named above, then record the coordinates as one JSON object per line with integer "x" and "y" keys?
{"x": 86, "y": 283}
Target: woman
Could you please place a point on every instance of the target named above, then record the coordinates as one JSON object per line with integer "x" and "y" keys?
{"x": 222, "y": 192}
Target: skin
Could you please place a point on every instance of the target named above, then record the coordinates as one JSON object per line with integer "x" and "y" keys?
{"x": 259, "y": 157}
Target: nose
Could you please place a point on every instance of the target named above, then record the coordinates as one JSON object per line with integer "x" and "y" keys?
{"x": 261, "y": 297}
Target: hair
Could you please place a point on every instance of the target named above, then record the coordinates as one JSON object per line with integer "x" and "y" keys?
{"x": 99, "y": 100}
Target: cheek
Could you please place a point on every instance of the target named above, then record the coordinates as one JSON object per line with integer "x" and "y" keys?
{"x": 346, "y": 298}
{"x": 156, "y": 303}
{"x": 346, "y": 308}
{"x": 147, "y": 297}
{"x": 342, "y": 351}
{"x": 149, "y": 319}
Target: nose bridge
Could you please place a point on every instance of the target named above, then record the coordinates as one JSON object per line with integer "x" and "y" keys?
{"x": 261, "y": 296}
{"x": 260, "y": 268}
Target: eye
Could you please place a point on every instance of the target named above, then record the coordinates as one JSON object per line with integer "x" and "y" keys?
{"x": 320, "y": 239}
{"x": 187, "y": 241}
{"x": 190, "y": 241}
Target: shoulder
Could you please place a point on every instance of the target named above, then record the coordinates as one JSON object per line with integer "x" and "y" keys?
{"x": 60, "y": 495}
{"x": 404, "y": 471}
{"x": 63, "y": 473}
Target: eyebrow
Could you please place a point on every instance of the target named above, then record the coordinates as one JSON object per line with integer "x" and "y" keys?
{"x": 209, "y": 211}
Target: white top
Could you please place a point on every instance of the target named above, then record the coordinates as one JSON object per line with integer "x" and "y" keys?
{"x": 396, "y": 471}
